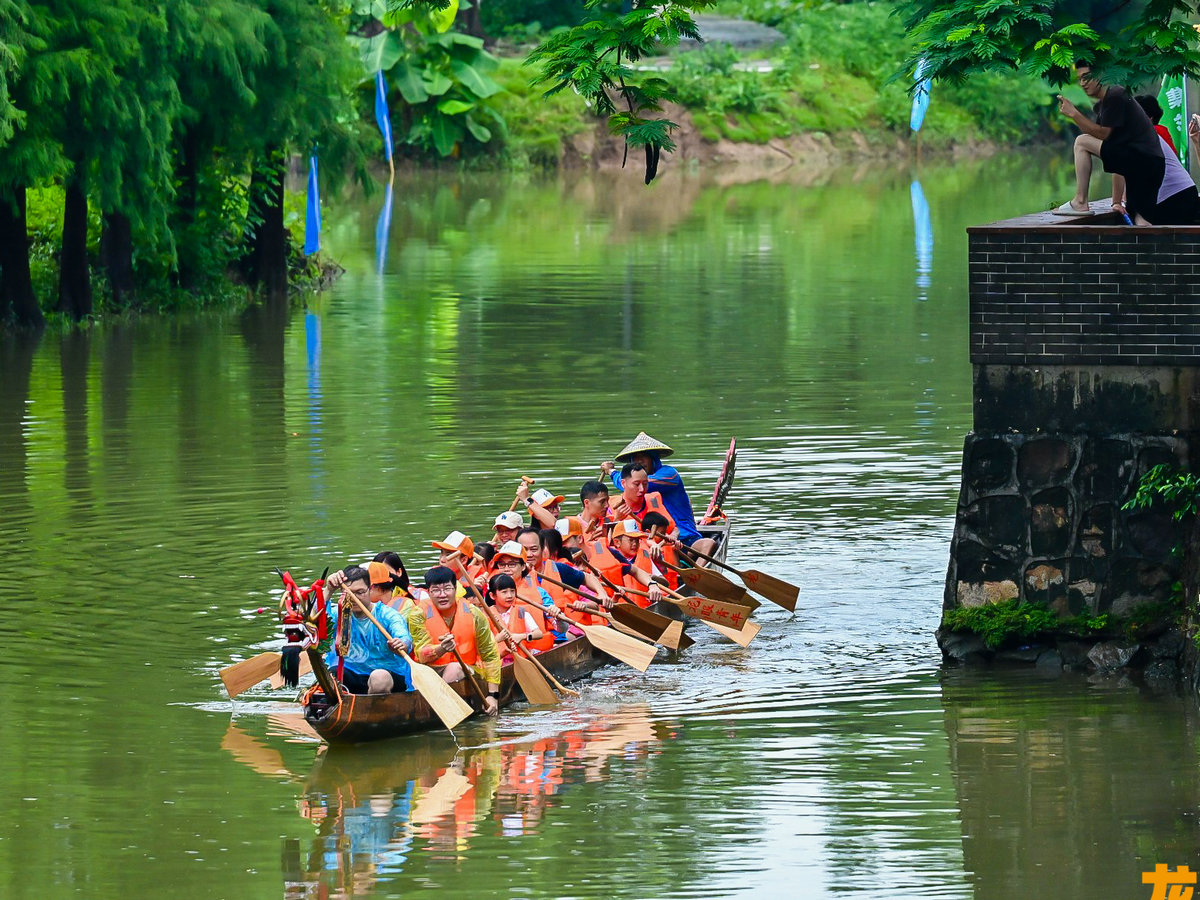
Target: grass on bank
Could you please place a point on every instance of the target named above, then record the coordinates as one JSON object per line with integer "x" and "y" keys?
{"x": 830, "y": 76}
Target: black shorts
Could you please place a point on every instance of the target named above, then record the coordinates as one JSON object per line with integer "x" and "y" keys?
{"x": 357, "y": 684}
{"x": 1143, "y": 175}
{"x": 1178, "y": 209}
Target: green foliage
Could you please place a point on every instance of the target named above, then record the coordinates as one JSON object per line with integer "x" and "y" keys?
{"x": 536, "y": 124}
{"x": 1179, "y": 490}
{"x": 827, "y": 78}
{"x": 517, "y": 16}
{"x": 597, "y": 59}
{"x": 440, "y": 79}
{"x": 1127, "y": 42}
{"x": 1000, "y": 624}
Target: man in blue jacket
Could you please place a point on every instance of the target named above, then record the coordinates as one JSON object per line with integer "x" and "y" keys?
{"x": 664, "y": 479}
{"x": 373, "y": 664}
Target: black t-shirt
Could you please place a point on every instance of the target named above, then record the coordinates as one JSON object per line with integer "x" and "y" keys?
{"x": 569, "y": 575}
{"x": 1131, "y": 127}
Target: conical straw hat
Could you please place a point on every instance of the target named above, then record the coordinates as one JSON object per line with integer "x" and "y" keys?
{"x": 643, "y": 443}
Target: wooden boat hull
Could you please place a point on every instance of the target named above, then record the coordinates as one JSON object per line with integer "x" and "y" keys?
{"x": 374, "y": 717}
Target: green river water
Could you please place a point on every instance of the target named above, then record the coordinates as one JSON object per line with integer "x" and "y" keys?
{"x": 152, "y": 475}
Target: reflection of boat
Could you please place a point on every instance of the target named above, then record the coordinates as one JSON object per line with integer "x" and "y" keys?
{"x": 378, "y": 812}
{"x": 372, "y": 717}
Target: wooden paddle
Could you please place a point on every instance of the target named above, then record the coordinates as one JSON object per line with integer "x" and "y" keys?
{"x": 516, "y": 500}
{"x": 242, "y": 676}
{"x": 774, "y": 589}
{"x": 531, "y": 660}
{"x": 442, "y": 699}
{"x": 713, "y": 584}
{"x": 469, "y": 674}
{"x": 743, "y": 637}
{"x": 623, "y": 647}
{"x": 653, "y": 627}
{"x": 529, "y": 674}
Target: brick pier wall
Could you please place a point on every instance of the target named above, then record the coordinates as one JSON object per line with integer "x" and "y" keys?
{"x": 1085, "y": 346}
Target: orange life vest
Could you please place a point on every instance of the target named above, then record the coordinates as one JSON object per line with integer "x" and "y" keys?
{"x": 563, "y": 599}
{"x": 513, "y": 621}
{"x": 463, "y": 630}
{"x": 654, "y": 503}
{"x": 602, "y": 559}
{"x": 530, "y": 599}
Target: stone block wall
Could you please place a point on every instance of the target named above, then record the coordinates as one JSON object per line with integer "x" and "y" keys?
{"x": 1040, "y": 518}
{"x": 1085, "y": 344}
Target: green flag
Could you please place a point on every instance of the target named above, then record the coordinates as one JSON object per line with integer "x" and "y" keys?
{"x": 1172, "y": 98}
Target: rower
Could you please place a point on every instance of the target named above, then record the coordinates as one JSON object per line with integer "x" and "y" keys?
{"x": 616, "y": 561}
{"x": 543, "y": 506}
{"x": 514, "y": 617}
{"x": 506, "y": 527}
{"x": 446, "y": 623}
{"x": 371, "y": 663}
{"x": 571, "y": 530}
{"x": 593, "y": 496}
{"x": 511, "y": 560}
{"x": 667, "y": 481}
{"x": 660, "y": 547}
{"x": 404, "y": 593}
{"x": 457, "y": 546}
{"x": 538, "y": 559}
{"x": 635, "y": 501}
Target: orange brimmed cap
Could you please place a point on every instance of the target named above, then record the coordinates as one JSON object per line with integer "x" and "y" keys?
{"x": 510, "y": 548}
{"x": 571, "y": 526}
{"x": 543, "y": 497}
{"x": 458, "y": 542}
{"x": 627, "y": 528}
{"x": 379, "y": 573}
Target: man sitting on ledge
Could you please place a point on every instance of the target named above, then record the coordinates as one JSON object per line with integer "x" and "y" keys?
{"x": 1148, "y": 184}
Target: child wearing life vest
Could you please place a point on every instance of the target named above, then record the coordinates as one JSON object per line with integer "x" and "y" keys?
{"x": 515, "y": 620}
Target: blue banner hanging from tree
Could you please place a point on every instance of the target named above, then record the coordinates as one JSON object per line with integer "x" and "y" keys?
{"x": 381, "y": 114}
{"x": 920, "y": 97}
{"x": 312, "y": 216}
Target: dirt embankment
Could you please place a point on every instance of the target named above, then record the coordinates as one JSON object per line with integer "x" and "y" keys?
{"x": 596, "y": 148}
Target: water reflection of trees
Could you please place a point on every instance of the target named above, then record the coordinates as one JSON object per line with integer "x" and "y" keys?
{"x": 1067, "y": 788}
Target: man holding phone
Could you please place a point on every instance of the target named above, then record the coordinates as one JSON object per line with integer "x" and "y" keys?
{"x": 1149, "y": 184}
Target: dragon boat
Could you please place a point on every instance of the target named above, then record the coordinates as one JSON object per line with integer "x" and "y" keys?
{"x": 360, "y": 718}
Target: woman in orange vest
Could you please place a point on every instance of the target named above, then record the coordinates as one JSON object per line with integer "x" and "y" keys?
{"x": 510, "y": 560}
{"x": 515, "y": 619}
{"x": 572, "y": 604}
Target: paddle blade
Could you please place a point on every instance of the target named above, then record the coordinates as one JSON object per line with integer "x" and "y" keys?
{"x": 245, "y": 674}
{"x": 650, "y": 625}
{"x": 774, "y": 589}
{"x": 714, "y": 584}
{"x": 741, "y": 638}
{"x": 535, "y": 687}
{"x": 445, "y": 702}
{"x": 628, "y": 650}
{"x": 731, "y": 615}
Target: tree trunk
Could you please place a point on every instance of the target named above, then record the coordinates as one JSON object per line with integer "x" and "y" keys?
{"x": 116, "y": 255}
{"x": 266, "y": 256}
{"x": 74, "y": 284}
{"x": 472, "y": 22}
{"x": 16, "y": 287}
{"x": 186, "y": 201}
